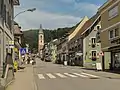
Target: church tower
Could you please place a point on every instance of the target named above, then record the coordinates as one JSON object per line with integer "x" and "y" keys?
{"x": 40, "y": 40}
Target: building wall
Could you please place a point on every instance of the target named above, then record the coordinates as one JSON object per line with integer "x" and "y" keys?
{"x": 88, "y": 48}
{"x": 110, "y": 20}
{"x": 6, "y": 29}
{"x": 53, "y": 52}
{"x": 108, "y": 23}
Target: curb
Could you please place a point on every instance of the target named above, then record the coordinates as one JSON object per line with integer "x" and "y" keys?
{"x": 9, "y": 83}
{"x": 5, "y": 87}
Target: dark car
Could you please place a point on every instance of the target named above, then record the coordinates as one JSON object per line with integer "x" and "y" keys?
{"x": 47, "y": 59}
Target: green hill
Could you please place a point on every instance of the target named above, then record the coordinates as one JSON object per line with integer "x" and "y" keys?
{"x": 31, "y": 36}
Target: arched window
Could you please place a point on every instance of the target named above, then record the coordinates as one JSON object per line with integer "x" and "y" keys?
{"x": 40, "y": 37}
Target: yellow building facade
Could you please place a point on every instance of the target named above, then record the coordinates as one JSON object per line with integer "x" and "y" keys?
{"x": 110, "y": 31}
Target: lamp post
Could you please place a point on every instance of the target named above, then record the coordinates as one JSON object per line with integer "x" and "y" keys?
{"x": 28, "y": 10}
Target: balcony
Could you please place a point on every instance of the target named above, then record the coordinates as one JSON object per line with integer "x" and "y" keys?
{"x": 94, "y": 58}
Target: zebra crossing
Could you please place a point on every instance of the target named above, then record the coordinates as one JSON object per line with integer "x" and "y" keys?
{"x": 66, "y": 75}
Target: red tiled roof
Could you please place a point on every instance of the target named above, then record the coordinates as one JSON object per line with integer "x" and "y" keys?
{"x": 88, "y": 24}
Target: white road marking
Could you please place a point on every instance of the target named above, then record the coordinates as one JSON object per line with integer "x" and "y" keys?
{"x": 41, "y": 76}
{"x": 90, "y": 75}
{"x": 80, "y": 75}
{"x": 60, "y": 75}
{"x": 70, "y": 75}
{"x": 50, "y": 75}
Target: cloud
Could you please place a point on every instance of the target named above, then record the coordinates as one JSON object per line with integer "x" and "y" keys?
{"x": 49, "y": 20}
{"x": 86, "y": 8}
{"x": 54, "y": 13}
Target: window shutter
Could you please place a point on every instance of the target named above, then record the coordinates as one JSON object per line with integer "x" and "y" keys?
{"x": 90, "y": 54}
{"x": 98, "y": 54}
{"x": 89, "y": 44}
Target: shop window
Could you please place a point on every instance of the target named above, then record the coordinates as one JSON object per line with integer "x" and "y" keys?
{"x": 117, "y": 60}
{"x": 116, "y": 32}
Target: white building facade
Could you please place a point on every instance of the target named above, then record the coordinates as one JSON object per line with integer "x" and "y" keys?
{"x": 6, "y": 30}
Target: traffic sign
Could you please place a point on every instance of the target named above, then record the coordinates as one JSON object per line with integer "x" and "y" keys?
{"x": 101, "y": 53}
{"x": 23, "y": 50}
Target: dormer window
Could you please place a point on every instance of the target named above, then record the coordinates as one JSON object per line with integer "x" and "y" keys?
{"x": 93, "y": 40}
{"x": 98, "y": 27}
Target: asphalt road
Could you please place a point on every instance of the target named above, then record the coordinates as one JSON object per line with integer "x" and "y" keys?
{"x": 49, "y": 76}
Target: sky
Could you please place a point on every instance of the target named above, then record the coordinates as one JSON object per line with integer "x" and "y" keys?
{"x": 53, "y": 14}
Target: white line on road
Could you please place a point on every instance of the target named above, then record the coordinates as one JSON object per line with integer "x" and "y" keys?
{"x": 60, "y": 75}
{"x": 90, "y": 75}
{"x": 50, "y": 75}
{"x": 70, "y": 75}
{"x": 80, "y": 75}
{"x": 41, "y": 76}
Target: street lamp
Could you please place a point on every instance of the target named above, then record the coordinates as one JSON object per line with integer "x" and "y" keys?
{"x": 28, "y": 10}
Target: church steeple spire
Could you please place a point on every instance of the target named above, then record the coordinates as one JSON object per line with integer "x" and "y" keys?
{"x": 40, "y": 40}
{"x": 40, "y": 30}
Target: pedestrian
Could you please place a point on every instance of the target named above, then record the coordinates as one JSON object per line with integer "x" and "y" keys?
{"x": 28, "y": 60}
{"x": 15, "y": 65}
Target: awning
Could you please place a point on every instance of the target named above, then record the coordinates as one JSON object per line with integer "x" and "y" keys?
{"x": 114, "y": 48}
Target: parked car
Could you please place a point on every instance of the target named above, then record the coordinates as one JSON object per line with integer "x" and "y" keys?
{"x": 47, "y": 59}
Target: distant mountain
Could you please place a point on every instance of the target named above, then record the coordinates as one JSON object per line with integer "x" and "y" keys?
{"x": 31, "y": 36}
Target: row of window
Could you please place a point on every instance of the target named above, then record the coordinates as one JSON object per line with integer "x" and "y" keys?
{"x": 114, "y": 33}
{"x": 113, "y": 12}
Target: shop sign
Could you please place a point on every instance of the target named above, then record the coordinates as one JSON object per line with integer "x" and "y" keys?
{"x": 11, "y": 44}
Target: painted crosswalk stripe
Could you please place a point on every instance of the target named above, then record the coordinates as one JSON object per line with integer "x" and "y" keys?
{"x": 80, "y": 75}
{"x": 70, "y": 75}
{"x": 41, "y": 76}
{"x": 90, "y": 75}
{"x": 50, "y": 75}
{"x": 60, "y": 75}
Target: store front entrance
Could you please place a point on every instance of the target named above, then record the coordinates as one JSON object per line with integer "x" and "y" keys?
{"x": 116, "y": 60}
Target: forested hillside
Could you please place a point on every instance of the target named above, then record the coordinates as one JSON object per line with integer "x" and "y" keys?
{"x": 31, "y": 36}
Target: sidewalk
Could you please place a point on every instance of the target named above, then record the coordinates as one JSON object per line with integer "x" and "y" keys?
{"x": 102, "y": 73}
{"x": 24, "y": 79}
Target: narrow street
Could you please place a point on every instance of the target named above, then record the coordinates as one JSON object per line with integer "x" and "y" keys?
{"x": 49, "y": 76}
